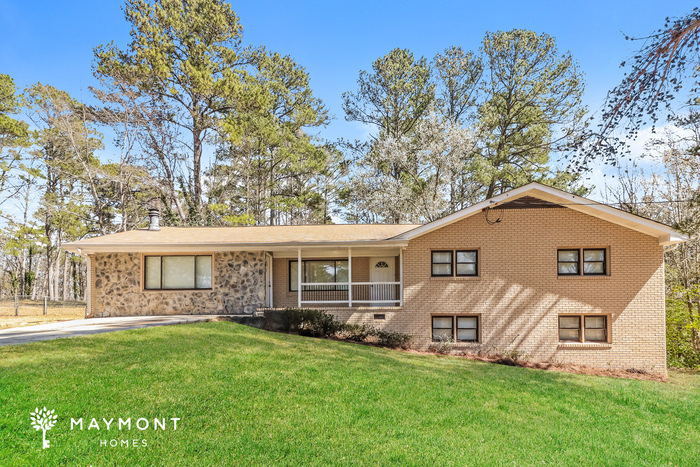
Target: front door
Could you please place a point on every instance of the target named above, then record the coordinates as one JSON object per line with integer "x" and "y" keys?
{"x": 382, "y": 270}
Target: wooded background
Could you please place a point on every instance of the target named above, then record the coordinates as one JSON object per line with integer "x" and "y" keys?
{"x": 188, "y": 120}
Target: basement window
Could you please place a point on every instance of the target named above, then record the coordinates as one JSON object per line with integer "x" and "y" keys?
{"x": 443, "y": 327}
{"x": 595, "y": 328}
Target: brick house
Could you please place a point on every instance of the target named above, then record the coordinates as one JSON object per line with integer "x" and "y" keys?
{"x": 536, "y": 269}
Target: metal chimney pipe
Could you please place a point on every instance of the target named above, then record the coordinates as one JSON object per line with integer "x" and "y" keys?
{"x": 154, "y": 216}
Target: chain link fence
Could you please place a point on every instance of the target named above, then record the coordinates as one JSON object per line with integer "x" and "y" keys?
{"x": 25, "y": 305}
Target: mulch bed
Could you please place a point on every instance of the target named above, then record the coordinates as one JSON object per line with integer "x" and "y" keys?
{"x": 631, "y": 373}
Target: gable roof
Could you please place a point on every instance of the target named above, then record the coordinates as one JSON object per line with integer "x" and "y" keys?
{"x": 244, "y": 237}
{"x": 533, "y": 195}
{"x": 666, "y": 235}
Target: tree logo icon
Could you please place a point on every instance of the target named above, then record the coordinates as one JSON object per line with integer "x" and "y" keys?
{"x": 43, "y": 420}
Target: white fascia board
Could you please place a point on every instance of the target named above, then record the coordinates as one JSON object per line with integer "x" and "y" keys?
{"x": 672, "y": 239}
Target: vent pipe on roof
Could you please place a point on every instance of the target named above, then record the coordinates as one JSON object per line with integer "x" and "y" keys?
{"x": 154, "y": 216}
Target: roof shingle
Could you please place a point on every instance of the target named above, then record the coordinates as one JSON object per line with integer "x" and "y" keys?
{"x": 278, "y": 234}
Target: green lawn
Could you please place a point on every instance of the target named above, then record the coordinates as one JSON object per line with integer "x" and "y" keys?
{"x": 249, "y": 397}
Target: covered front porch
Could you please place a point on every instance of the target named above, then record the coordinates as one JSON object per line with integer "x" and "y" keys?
{"x": 348, "y": 277}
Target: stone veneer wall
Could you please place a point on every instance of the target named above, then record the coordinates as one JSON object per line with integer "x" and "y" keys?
{"x": 238, "y": 287}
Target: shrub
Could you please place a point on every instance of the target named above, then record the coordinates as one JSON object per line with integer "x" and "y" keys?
{"x": 314, "y": 323}
{"x": 357, "y": 332}
{"x": 318, "y": 323}
{"x": 394, "y": 340}
{"x": 305, "y": 321}
{"x": 679, "y": 336}
{"x": 443, "y": 345}
{"x": 511, "y": 357}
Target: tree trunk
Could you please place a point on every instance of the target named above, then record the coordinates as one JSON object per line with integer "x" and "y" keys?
{"x": 57, "y": 275}
{"x": 65, "y": 277}
{"x": 48, "y": 278}
{"x": 492, "y": 188}
{"x": 196, "y": 168}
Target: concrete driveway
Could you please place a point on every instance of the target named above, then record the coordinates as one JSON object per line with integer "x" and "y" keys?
{"x": 83, "y": 327}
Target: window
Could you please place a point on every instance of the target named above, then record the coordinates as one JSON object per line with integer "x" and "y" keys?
{"x": 177, "y": 272}
{"x": 443, "y": 327}
{"x": 320, "y": 271}
{"x": 467, "y": 328}
{"x": 595, "y": 328}
{"x": 467, "y": 263}
{"x": 594, "y": 262}
{"x": 570, "y": 328}
{"x": 569, "y": 262}
{"x": 442, "y": 263}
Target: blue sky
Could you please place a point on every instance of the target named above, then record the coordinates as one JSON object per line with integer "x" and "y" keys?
{"x": 52, "y": 41}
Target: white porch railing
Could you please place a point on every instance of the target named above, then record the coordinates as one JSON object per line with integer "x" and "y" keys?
{"x": 347, "y": 293}
{"x": 385, "y": 293}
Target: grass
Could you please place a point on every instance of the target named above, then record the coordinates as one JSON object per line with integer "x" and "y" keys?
{"x": 249, "y": 397}
{"x": 20, "y": 321}
{"x": 32, "y": 312}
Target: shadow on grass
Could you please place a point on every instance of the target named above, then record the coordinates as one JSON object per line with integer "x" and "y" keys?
{"x": 257, "y": 393}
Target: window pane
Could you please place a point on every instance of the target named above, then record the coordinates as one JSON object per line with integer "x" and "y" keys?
{"x": 153, "y": 272}
{"x": 569, "y": 322}
{"x": 466, "y": 334}
{"x": 293, "y": 276}
{"x": 593, "y": 268}
{"x": 203, "y": 272}
{"x": 466, "y": 269}
{"x": 467, "y": 322}
{"x": 178, "y": 272}
{"x": 594, "y": 255}
{"x": 568, "y": 255}
{"x": 595, "y": 322}
{"x": 341, "y": 271}
{"x": 442, "y": 257}
{"x": 442, "y": 323}
{"x": 568, "y": 268}
{"x": 319, "y": 271}
{"x": 595, "y": 334}
{"x": 442, "y": 269}
{"x": 466, "y": 256}
{"x": 442, "y": 334}
{"x": 568, "y": 334}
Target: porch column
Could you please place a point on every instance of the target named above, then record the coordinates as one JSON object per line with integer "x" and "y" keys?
{"x": 88, "y": 288}
{"x": 401, "y": 277}
{"x": 349, "y": 277}
{"x": 299, "y": 277}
